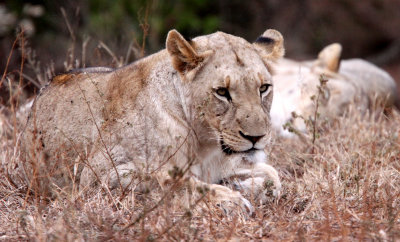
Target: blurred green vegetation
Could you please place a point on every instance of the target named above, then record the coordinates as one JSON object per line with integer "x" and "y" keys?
{"x": 61, "y": 31}
{"x": 118, "y": 19}
{"x": 364, "y": 28}
{"x": 122, "y": 17}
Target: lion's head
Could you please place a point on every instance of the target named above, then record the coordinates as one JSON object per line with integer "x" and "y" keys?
{"x": 230, "y": 86}
{"x": 352, "y": 84}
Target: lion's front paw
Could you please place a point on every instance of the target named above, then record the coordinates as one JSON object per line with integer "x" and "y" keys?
{"x": 229, "y": 200}
{"x": 273, "y": 184}
{"x": 263, "y": 184}
{"x": 272, "y": 188}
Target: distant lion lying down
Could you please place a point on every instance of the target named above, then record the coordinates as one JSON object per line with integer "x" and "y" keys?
{"x": 199, "y": 109}
{"x": 352, "y": 83}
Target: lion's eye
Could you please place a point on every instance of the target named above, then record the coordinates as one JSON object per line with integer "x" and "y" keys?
{"x": 223, "y": 92}
{"x": 264, "y": 88}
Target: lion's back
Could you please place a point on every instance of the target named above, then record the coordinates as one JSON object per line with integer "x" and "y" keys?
{"x": 62, "y": 124}
{"x": 371, "y": 79}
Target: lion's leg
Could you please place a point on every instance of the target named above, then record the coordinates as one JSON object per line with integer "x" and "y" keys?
{"x": 110, "y": 168}
{"x": 223, "y": 196}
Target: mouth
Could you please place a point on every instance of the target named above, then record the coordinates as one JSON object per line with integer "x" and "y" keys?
{"x": 229, "y": 151}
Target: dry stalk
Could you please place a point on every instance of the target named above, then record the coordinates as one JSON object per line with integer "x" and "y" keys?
{"x": 99, "y": 132}
{"x": 144, "y": 25}
{"x": 68, "y": 64}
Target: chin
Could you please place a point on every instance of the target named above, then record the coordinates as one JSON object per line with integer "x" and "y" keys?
{"x": 256, "y": 156}
{"x": 253, "y": 156}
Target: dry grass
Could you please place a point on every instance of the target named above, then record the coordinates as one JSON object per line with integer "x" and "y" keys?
{"x": 349, "y": 188}
{"x": 343, "y": 185}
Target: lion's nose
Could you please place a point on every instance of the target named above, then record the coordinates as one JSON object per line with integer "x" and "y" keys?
{"x": 253, "y": 139}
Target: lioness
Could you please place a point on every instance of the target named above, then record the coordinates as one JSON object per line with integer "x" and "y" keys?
{"x": 352, "y": 84}
{"x": 200, "y": 107}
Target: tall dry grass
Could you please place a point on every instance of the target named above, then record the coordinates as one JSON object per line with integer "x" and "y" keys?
{"x": 349, "y": 189}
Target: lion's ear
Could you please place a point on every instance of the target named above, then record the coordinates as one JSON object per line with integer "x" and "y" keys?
{"x": 184, "y": 57}
{"x": 270, "y": 45}
{"x": 329, "y": 57}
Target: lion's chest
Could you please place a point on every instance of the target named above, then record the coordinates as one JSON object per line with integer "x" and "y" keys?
{"x": 212, "y": 165}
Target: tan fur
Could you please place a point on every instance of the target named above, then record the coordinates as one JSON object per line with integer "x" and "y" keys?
{"x": 275, "y": 51}
{"x": 157, "y": 115}
{"x": 126, "y": 84}
{"x": 352, "y": 84}
{"x": 329, "y": 58}
{"x": 62, "y": 79}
